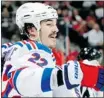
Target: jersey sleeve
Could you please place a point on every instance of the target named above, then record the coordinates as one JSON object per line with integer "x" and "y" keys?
{"x": 4, "y": 48}
{"x": 16, "y": 50}
{"x": 31, "y": 82}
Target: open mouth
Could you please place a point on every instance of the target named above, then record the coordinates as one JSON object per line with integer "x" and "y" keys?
{"x": 52, "y": 36}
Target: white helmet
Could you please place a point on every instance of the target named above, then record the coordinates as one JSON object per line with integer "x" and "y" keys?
{"x": 34, "y": 13}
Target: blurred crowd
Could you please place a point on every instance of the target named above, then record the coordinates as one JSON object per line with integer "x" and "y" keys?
{"x": 80, "y": 23}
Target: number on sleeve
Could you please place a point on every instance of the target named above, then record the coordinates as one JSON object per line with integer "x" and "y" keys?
{"x": 38, "y": 60}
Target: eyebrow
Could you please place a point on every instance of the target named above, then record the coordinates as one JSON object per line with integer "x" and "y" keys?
{"x": 48, "y": 20}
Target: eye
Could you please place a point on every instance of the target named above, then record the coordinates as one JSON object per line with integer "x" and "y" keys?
{"x": 49, "y": 24}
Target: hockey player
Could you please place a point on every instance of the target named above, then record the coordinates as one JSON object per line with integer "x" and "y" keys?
{"x": 90, "y": 56}
{"x": 87, "y": 55}
{"x": 29, "y": 70}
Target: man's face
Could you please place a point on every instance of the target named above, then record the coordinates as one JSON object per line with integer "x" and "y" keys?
{"x": 48, "y": 32}
{"x": 96, "y": 27}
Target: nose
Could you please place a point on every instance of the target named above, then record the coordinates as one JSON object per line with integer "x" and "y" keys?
{"x": 56, "y": 29}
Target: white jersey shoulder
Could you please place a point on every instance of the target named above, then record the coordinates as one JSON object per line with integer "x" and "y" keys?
{"x": 21, "y": 48}
{"x": 4, "y": 48}
{"x": 29, "y": 52}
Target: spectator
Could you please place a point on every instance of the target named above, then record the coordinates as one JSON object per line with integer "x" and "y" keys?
{"x": 8, "y": 5}
{"x": 7, "y": 22}
{"x": 78, "y": 23}
{"x": 99, "y": 12}
{"x": 95, "y": 36}
{"x": 88, "y": 4}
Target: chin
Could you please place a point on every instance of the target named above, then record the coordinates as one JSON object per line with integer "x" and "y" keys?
{"x": 52, "y": 46}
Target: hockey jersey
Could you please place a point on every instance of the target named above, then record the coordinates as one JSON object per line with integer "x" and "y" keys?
{"x": 31, "y": 55}
{"x": 33, "y": 63}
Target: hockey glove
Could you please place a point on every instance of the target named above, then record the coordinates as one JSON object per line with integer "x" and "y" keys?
{"x": 93, "y": 76}
{"x": 72, "y": 74}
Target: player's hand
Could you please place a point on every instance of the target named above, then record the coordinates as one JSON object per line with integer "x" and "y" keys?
{"x": 72, "y": 74}
{"x": 72, "y": 56}
{"x": 93, "y": 76}
{"x": 100, "y": 81}
{"x": 59, "y": 56}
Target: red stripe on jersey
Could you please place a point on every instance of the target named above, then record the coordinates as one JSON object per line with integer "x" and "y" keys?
{"x": 5, "y": 91}
{"x": 32, "y": 43}
{"x": 24, "y": 42}
{"x": 12, "y": 77}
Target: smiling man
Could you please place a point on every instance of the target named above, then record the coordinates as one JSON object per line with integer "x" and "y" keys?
{"x": 50, "y": 28}
{"x": 30, "y": 67}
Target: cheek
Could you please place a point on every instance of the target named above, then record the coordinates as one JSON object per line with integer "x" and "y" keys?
{"x": 43, "y": 35}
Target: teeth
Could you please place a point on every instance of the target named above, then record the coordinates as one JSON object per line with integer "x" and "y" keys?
{"x": 52, "y": 37}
